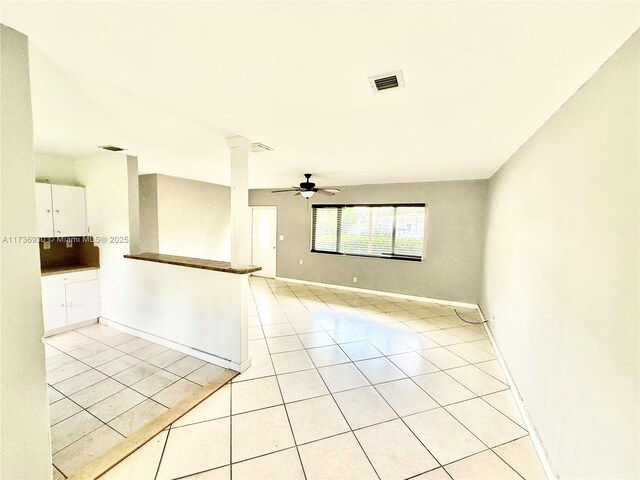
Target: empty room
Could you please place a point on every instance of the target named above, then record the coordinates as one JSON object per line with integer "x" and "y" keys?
{"x": 299, "y": 240}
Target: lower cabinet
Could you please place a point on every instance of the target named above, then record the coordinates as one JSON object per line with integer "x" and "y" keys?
{"x": 69, "y": 299}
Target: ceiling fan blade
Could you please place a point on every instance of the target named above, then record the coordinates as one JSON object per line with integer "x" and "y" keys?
{"x": 324, "y": 192}
{"x": 294, "y": 189}
{"x": 330, "y": 190}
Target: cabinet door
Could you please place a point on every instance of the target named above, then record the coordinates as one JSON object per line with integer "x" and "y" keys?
{"x": 44, "y": 214}
{"x": 54, "y": 309}
{"x": 69, "y": 216}
{"x": 83, "y": 301}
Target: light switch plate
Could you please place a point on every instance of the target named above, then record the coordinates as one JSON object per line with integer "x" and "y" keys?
{"x": 281, "y": 237}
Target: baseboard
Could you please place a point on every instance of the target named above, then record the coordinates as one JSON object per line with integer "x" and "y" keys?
{"x": 380, "y": 292}
{"x": 207, "y": 357}
{"x": 68, "y": 328}
{"x": 535, "y": 438}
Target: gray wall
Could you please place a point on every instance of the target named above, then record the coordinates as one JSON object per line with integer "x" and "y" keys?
{"x": 185, "y": 217}
{"x": 25, "y": 450}
{"x": 148, "y": 191}
{"x": 561, "y": 274}
{"x": 454, "y": 240}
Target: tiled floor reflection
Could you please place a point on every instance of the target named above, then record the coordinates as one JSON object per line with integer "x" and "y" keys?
{"x": 104, "y": 385}
{"x": 350, "y": 386}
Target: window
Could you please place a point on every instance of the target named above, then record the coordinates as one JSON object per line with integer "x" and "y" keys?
{"x": 384, "y": 231}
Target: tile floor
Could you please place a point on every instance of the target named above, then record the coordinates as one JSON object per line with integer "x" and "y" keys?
{"x": 350, "y": 386}
{"x": 104, "y": 385}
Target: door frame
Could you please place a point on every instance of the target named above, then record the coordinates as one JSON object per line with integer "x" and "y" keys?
{"x": 253, "y": 208}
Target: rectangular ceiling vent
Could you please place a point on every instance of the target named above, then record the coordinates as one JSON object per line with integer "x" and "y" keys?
{"x": 257, "y": 147}
{"x": 387, "y": 81}
{"x": 111, "y": 148}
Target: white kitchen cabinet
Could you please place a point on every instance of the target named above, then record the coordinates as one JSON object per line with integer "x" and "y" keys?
{"x": 54, "y": 308}
{"x": 83, "y": 301}
{"x": 44, "y": 210}
{"x": 60, "y": 211}
{"x": 70, "y": 299}
{"x": 69, "y": 213}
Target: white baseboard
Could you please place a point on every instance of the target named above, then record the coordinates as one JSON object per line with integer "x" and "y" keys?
{"x": 207, "y": 357}
{"x": 380, "y": 292}
{"x": 68, "y": 328}
{"x": 535, "y": 438}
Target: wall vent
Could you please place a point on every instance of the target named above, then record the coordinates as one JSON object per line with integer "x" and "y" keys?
{"x": 111, "y": 148}
{"x": 387, "y": 81}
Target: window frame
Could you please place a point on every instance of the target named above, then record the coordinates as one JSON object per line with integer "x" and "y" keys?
{"x": 405, "y": 258}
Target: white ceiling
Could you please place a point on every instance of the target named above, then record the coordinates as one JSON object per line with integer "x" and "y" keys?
{"x": 172, "y": 80}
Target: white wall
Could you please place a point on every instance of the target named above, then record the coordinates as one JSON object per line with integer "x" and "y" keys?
{"x": 56, "y": 170}
{"x": 191, "y": 307}
{"x": 561, "y": 274}
{"x": 24, "y": 415}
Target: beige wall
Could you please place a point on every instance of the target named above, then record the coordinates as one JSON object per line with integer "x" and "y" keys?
{"x": 454, "y": 240}
{"x": 191, "y": 218}
{"x": 561, "y": 274}
{"x": 24, "y": 439}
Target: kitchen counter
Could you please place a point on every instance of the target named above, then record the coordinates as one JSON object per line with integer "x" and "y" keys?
{"x": 200, "y": 263}
{"x": 65, "y": 269}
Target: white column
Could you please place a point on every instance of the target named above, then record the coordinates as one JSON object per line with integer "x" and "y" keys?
{"x": 240, "y": 249}
{"x": 240, "y": 246}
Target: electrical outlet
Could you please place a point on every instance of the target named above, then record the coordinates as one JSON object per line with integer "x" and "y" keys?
{"x": 47, "y": 245}
{"x": 281, "y": 237}
{"x": 355, "y": 279}
{"x": 301, "y": 261}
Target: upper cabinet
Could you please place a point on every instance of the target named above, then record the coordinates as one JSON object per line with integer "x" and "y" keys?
{"x": 44, "y": 210}
{"x": 60, "y": 211}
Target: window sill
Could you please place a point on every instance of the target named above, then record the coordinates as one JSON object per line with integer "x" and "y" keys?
{"x": 404, "y": 259}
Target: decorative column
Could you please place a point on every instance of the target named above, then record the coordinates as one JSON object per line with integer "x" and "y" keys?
{"x": 240, "y": 249}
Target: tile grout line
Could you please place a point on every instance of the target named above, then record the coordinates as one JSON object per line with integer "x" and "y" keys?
{"x": 283, "y": 402}
{"x": 346, "y": 421}
{"x": 440, "y": 405}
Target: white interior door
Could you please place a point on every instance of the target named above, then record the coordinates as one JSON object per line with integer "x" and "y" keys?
{"x": 263, "y": 240}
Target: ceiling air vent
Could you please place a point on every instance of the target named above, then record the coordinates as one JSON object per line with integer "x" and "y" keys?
{"x": 387, "y": 81}
{"x": 258, "y": 147}
{"x": 111, "y": 148}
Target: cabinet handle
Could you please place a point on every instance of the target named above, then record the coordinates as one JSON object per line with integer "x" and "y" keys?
{"x": 48, "y": 210}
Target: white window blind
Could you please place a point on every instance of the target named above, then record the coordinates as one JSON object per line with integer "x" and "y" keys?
{"x": 386, "y": 231}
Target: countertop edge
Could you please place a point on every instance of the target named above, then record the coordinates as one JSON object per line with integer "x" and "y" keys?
{"x": 45, "y": 272}
{"x": 194, "y": 263}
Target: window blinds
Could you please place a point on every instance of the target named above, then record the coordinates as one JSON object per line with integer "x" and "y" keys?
{"x": 387, "y": 231}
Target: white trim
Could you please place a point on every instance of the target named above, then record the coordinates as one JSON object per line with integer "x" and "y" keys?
{"x": 380, "y": 292}
{"x": 207, "y": 357}
{"x": 535, "y": 438}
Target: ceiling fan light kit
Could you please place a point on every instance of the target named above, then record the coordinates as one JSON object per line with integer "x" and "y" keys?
{"x": 308, "y": 189}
